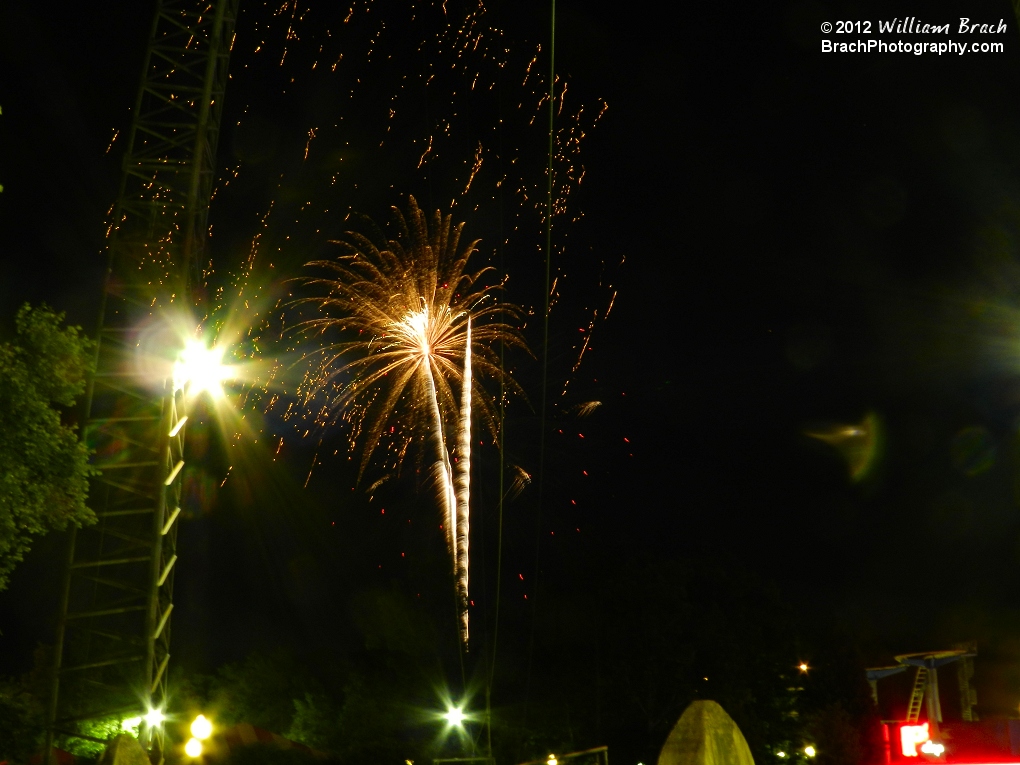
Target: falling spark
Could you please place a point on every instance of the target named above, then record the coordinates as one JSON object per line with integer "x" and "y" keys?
{"x": 475, "y": 168}
{"x": 308, "y": 143}
{"x": 521, "y": 481}
{"x": 586, "y": 408}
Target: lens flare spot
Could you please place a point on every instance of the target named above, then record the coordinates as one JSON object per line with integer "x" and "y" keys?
{"x": 858, "y": 444}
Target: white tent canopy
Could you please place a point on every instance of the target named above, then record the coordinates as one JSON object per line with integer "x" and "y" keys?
{"x": 705, "y": 735}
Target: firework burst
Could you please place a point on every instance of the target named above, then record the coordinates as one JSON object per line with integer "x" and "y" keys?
{"x": 415, "y": 327}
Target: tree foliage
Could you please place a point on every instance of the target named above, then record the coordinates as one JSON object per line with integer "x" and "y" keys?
{"x": 44, "y": 466}
{"x": 20, "y": 721}
{"x": 22, "y": 714}
{"x": 375, "y": 704}
{"x": 260, "y": 690}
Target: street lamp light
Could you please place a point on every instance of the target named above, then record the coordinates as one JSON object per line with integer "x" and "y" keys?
{"x": 201, "y": 369}
{"x": 455, "y": 716}
{"x": 201, "y": 728}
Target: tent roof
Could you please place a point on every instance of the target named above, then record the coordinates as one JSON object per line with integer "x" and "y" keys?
{"x": 705, "y": 735}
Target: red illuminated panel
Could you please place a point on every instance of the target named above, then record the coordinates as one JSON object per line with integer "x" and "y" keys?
{"x": 911, "y": 736}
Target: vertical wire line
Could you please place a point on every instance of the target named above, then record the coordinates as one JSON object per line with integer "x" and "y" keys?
{"x": 502, "y": 441}
{"x": 545, "y": 338}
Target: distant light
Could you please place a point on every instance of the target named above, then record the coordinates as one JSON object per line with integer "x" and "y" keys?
{"x": 130, "y": 724}
{"x": 780, "y": 754}
{"x": 201, "y": 728}
{"x": 193, "y": 748}
{"x": 803, "y": 667}
{"x": 809, "y": 750}
{"x": 552, "y": 760}
{"x": 154, "y": 718}
{"x": 455, "y": 716}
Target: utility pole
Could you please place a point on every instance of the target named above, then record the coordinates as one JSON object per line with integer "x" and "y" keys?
{"x": 113, "y": 636}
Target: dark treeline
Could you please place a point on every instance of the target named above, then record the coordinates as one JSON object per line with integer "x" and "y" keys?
{"x": 614, "y": 666}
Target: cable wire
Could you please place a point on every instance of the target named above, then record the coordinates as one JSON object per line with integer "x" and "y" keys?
{"x": 545, "y": 340}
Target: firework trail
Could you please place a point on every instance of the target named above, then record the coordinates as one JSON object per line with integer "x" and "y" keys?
{"x": 431, "y": 96}
{"x": 441, "y": 468}
{"x": 407, "y": 310}
{"x": 463, "y": 483}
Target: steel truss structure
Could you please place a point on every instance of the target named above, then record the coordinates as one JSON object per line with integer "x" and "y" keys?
{"x": 113, "y": 636}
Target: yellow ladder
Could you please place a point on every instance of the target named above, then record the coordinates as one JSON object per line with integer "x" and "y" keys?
{"x": 917, "y": 695}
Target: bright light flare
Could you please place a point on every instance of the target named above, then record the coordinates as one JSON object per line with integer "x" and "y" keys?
{"x": 803, "y": 667}
{"x": 201, "y": 369}
{"x": 810, "y": 751}
{"x": 201, "y": 728}
{"x": 193, "y": 748}
{"x": 154, "y": 718}
{"x": 455, "y": 716}
{"x": 414, "y": 331}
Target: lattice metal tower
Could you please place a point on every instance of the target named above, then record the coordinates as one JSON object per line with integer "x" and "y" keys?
{"x": 113, "y": 638}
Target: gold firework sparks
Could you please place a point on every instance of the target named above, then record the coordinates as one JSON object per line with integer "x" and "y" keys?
{"x": 414, "y": 325}
{"x": 401, "y": 308}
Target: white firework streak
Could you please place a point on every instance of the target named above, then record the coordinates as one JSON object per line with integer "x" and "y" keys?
{"x": 403, "y": 301}
{"x": 441, "y": 467}
{"x": 463, "y": 498}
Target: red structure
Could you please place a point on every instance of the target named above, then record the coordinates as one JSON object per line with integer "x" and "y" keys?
{"x": 917, "y": 732}
{"x": 975, "y": 743}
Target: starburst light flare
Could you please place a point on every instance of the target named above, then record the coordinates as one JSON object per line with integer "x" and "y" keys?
{"x": 413, "y": 325}
{"x": 202, "y": 369}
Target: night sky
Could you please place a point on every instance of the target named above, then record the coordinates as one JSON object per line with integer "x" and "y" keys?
{"x": 795, "y": 239}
